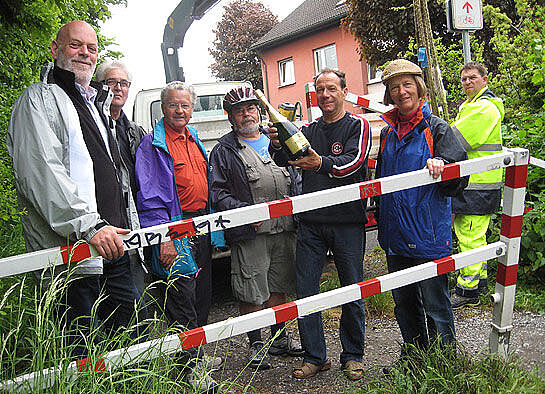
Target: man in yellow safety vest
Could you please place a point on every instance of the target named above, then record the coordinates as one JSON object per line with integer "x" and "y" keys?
{"x": 478, "y": 126}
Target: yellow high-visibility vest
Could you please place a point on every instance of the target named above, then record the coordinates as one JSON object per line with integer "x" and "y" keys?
{"x": 478, "y": 127}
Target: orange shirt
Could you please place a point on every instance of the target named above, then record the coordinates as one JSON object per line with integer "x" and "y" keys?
{"x": 189, "y": 169}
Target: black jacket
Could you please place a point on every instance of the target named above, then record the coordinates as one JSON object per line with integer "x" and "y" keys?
{"x": 229, "y": 184}
{"x": 129, "y": 135}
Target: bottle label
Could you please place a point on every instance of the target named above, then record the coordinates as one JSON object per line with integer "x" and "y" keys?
{"x": 296, "y": 142}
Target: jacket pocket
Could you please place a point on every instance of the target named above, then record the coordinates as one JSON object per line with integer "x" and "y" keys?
{"x": 416, "y": 227}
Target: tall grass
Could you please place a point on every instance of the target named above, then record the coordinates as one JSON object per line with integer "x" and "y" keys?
{"x": 440, "y": 371}
{"x": 32, "y": 339}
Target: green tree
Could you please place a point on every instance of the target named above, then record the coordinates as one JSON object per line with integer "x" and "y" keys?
{"x": 520, "y": 56}
{"x": 242, "y": 24}
{"x": 26, "y": 31}
{"x": 384, "y": 29}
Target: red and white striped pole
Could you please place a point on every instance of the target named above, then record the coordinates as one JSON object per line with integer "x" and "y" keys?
{"x": 236, "y": 217}
{"x": 314, "y": 112}
{"x": 363, "y": 102}
{"x": 239, "y": 325}
{"x": 511, "y": 230}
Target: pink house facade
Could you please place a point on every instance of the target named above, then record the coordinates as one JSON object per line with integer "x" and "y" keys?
{"x": 306, "y": 41}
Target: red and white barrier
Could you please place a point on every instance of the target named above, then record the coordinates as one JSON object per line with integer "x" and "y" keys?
{"x": 537, "y": 162}
{"x": 258, "y": 212}
{"x": 510, "y": 233}
{"x": 239, "y": 325}
{"x": 363, "y": 102}
{"x": 506, "y": 249}
{"x": 313, "y": 111}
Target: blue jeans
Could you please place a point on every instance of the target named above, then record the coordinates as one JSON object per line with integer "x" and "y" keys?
{"x": 423, "y": 310}
{"x": 347, "y": 242}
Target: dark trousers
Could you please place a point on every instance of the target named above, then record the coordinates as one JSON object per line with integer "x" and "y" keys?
{"x": 347, "y": 242}
{"x": 423, "y": 310}
{"x": 177, "y": 297}
{"x": 178, "y": 300}
{"x": 202, "y": 252}
{"x": 114, "y": 311}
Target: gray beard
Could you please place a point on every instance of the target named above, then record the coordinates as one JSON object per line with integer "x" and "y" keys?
{"x": 248, "y": 131}
{"x": 81, "y": 77}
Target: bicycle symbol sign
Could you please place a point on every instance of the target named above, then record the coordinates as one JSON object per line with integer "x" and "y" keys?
{"x": 467, "y": 14}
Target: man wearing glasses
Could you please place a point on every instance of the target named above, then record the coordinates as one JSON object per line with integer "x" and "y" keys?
{"x": 262, "y": 253}
{"x": 128, "y": 134}
{"x": 172, "y": 174}
{"x": 478, "y": 127}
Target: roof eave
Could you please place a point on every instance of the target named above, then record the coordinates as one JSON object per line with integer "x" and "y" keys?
{"x": 297, "y": 34}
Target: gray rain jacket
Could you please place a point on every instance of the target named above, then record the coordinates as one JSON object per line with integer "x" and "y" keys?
{"x": 38, "y": 142}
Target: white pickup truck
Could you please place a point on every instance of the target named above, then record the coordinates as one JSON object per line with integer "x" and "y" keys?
{"x": 208, "y": 117}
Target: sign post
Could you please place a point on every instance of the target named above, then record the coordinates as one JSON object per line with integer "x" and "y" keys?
{"x": 465, "y": 16}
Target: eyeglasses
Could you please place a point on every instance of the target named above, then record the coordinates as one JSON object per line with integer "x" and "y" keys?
{"x": 471, "y": 78}
{"x": 185, "y": 107}
{"x": 241, "y": 110}
{"x": 75, "y": 44}
{"x": 112, "y": 83}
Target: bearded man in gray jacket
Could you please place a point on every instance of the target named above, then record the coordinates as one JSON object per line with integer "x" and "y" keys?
{"x": 72, "y": 181}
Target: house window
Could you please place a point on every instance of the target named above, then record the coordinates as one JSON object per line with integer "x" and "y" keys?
{"x": 373, "y": 74}
{"x": 286, "y": 71}
{"x": 325, "y": 57}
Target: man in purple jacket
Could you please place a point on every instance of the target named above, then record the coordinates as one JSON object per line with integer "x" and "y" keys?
{"x": 172, "y": 174}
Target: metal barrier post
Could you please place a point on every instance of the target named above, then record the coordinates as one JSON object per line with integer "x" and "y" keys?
{"x": 314, "y": 112}
{"x": 511, "y": 230}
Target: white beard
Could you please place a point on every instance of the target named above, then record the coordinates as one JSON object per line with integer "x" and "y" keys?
{"x": 248, "y": 130}
{"x": 83, "y": 77}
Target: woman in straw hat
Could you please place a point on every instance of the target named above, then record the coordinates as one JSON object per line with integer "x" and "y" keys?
{"x": 415, "y": 224}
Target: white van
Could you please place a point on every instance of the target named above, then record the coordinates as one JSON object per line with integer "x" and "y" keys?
{"x": 208, "y": 117}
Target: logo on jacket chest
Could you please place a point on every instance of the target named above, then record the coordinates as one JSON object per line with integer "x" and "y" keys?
{"x": 337, "y": 148}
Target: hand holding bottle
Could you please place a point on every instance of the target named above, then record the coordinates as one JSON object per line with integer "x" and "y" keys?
{"x": 311, "y": 161}
{"x": 288, "y": 136}
{"x": 272, "y": 133}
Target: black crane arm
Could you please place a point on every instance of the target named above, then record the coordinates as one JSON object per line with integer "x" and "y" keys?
{"x": 173, "y": 37}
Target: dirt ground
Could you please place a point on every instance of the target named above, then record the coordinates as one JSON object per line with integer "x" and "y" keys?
{"x": 382, "y": 348}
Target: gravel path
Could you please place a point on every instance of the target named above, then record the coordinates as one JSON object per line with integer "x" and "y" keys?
{"x": 382, "y": 343}
{"x": 382, "y": 348}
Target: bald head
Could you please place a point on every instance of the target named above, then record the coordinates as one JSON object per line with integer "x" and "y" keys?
{"x": 76, "y": 49}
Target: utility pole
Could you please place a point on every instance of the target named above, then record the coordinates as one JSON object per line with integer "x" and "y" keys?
{"x": 429, "y": 61}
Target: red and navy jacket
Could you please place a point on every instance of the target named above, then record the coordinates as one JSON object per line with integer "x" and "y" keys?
{"x": 417, "y": 222}
{"x": 344, "y": 147}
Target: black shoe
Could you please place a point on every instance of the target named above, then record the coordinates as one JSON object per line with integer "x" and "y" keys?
{"x": 286, "y": 346}
{"x": 402, "y": 365}
{"x": 483, "y": 285}
{"x": 257, "y": 356}
{"x": 459, "y": 302}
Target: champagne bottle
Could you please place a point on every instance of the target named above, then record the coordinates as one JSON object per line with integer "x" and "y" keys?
{"x": 292, "y": 140}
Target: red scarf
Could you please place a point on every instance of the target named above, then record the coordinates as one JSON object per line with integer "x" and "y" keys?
{"x": 406, "y": 123}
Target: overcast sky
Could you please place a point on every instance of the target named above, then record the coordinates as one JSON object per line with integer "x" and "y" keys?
{"x": 138, "y": 30}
